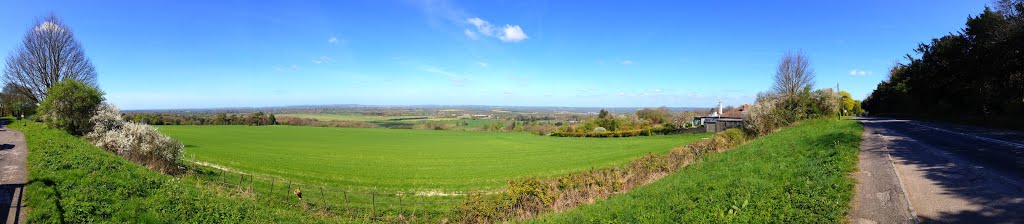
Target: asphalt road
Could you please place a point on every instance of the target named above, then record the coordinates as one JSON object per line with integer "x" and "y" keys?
{"x": 915, "y": 171}
{"x": 13, "y": 174}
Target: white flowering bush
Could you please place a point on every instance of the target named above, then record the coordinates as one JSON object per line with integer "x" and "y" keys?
{"x": 139, "y": 143}
{"x": 764, "y": 116}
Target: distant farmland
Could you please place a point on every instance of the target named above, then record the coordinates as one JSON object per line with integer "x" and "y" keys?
{"x": 406, "y": 160}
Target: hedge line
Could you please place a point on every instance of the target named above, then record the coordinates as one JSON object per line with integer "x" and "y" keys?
{"x": 617, "y": 134}
{"x": 527, "y": 198}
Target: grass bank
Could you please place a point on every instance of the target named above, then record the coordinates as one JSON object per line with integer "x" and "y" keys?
{"x": 71, "y": 181}
{"x": 797, "y": 175}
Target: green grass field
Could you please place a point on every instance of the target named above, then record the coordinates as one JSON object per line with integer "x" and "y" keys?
{"x": 406, "y": 160}
{"x": 349, "y": 117}
{"x": 798, "y": 175}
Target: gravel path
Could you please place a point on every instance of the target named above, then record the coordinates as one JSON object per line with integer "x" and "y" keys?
{"x": 13, "y": 174}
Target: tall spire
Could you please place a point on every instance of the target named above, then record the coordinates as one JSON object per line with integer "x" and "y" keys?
{"x": 719, "y": 108}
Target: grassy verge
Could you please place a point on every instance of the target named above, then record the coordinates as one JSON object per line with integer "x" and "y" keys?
{"x": 71, "y": 181}
{"x": 797, "y": 175}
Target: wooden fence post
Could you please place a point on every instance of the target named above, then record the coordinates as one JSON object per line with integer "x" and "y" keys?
{"x": 324, "y": 204}
{"x": 272, "y": 179}
{"x": 373, "y": 205}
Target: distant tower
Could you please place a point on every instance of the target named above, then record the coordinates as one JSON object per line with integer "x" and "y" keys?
{"x": 719, "y": 108}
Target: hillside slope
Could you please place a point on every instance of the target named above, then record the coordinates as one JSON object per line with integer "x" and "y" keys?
{"x": 797, "y": 175}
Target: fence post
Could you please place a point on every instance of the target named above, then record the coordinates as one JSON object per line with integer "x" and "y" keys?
{"x": 250, "y": 183}
{"x": 400, "y": 208}
{"x": 289, "y": 189}
{"x": 241, "y": 178}
{"x": 272, "y": 179}
{"x": 373, "y": 205}
{"x": 345, "y": 198}
{"x": 414, "y": 207}
{"x": 324, "y": 204}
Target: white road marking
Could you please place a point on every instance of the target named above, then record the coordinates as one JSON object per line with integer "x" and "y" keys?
{"x": 1017, "y": 145}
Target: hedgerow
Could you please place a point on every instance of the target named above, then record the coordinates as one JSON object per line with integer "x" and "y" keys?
{"x": 530, "y": 197}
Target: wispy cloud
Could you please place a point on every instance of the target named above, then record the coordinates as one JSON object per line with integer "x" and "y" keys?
{"x": 627, "y": 62}
{"x": 482, "y": 26}
{"x": 482, "y": 64}
{"x": 287, "y": 69}
{"x": 509, "y": 33}
{"x": 323, "y": 60}
{"x": 333, "y": 40}
{"x": 856, "y": 72}
{"x": 455, "y": 79}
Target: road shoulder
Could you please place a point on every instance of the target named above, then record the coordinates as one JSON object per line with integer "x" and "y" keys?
{"x": 879, "y": 196}
{"x": 13, "y": 175}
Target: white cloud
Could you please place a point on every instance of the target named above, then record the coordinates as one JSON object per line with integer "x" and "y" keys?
{"x": 513, "y": 34}
{"x": 482, "y": 64}
{"x": 49, "y": 27}
{"x": 627, "y": 62}
{"x": 333, "y": 40}
{"x": 510, "y": 33}
{"x": 856, "y": 72}
{"x": 323, "y": 60}
{"x": 482, "y": 26}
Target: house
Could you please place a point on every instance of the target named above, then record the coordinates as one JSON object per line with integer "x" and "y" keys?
{"x": 719, "y": 121}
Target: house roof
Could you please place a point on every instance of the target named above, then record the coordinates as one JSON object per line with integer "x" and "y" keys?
{"x": 736, "y": 112}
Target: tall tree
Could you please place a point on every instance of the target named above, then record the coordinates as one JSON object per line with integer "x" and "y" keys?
{"x": 793, "y": 80}
{"x": 49, "y": 54}
{"x": 794, "y": 74}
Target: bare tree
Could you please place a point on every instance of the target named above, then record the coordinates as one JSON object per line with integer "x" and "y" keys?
{"x": 48, "y": 55}
{"x": 794, "y": 74}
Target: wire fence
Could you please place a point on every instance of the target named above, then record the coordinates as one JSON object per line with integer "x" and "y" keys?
{"x": 368, "y": 205}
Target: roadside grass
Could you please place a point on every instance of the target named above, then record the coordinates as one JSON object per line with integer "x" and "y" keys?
{"x": 800, "y": 174}
{"x": 388, "y": 160}
{"x": 71, "y": 181}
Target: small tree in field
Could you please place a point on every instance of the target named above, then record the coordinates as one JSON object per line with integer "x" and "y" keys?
{"x": 69, "y": 105}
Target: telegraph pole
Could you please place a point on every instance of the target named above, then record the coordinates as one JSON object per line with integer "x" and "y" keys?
{"x": 842, "y": 105}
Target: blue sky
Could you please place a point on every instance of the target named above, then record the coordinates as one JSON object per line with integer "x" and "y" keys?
{"x": 199, "y": 54}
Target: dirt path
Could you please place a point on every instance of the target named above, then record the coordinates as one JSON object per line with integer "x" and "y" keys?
{"x": 944, "y": 173}
{"x": 13, "y": 174}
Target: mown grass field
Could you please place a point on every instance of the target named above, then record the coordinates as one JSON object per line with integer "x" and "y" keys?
{"x": 407, "y": 160}
{"x": 798, "y": 175}
{"x": 71, "y": 181}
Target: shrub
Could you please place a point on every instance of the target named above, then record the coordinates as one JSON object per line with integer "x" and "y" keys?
{"x": 69, "y": 105}
{"x": 764, "y": 116}
{"x": 139, "y": 143}
{"x": 600, "y": 130}
{"x": 432, "y": 125}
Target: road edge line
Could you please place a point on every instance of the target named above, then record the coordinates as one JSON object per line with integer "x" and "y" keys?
{"x": 899, "y": 178}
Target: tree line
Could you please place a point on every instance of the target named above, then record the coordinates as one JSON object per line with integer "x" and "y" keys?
{"x": 255, "y": 119}
{"x": 974, "y": 74}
